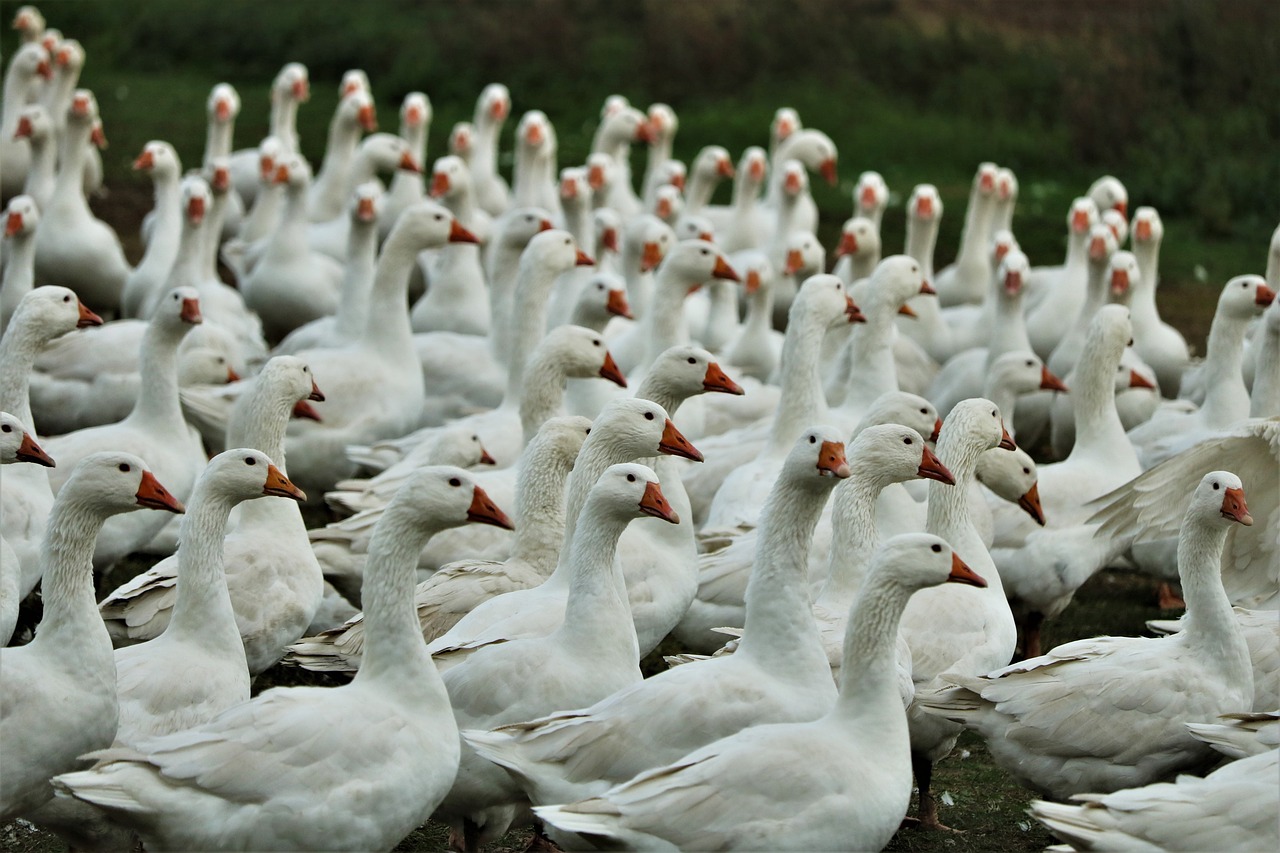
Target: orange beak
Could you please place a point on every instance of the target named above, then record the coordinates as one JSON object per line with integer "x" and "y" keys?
{"x": 484, "y": 511}
{"x": 1234, "y": 507}
{"x": 616, "y": 304}
{"x": 278, "y": 486}
{"x": 439, "y": 185}
{"x": 961, "y": 573}
{"x": 29, "y": 451}
{"x": 654, "y": 503}
{"x": 828, "y": 171}
{"x": 675, "y": 444}
{"x": 831, "y": 459}
{"x": 368, "y": 120}
{"x": 1137, "y": 380}
{"x": 458, "y": 234}
{"x": 931, "y": 468}
{"x": 723, "y": 270}
{"x": 1049, "y": 382}
{"x": 716, "y": 379}
{"x": 191, "y": 311}
{"x": 87, "y": 318}
{"x": 152, "y": 495}
{"x": 1030, "y": 503}
{"x": 609, "y": 370}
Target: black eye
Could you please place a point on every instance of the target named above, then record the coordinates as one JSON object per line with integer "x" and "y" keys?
{"x": 937, "y": 549}
{"x": 906, "y": 441}
{"x": 454, "y": 481}
{"x": 124, "y": 466}
{"x": 648, "y": 416}
{"x": 1215, "y": 486}
{"x": 692, "y": 360}
{"x": 631, "y": 478}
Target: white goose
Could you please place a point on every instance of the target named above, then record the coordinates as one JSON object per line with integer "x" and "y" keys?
{"x": 589, "y": 656}
{"x": 155, "y": 428}
{"x": 60, "y": 689}
{"x": 25, "y": 494}
{"x": 840, "y": 782}
{"x": 227, "y": 782}
{"x": 16, "y": 445}
{"x": 778, "y": 676}
{"x": 1106, "y": 713}
{"x": 458, "y": 588}
{"x": 272, "y": 574}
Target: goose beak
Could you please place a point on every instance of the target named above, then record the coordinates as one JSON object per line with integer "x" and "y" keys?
{"x": 278, "y": 486}
{"x": 723, "y": 270}
{"x": 907, "y": 311}
{"x": 717, "y": 380}
{"x": 582, "y": 259}
{"x": 831, "y": 460}
{"x": 675, "y": 444}
{"x": 305, "y": 411}
{"x": 1137, "y": 380}
{"x": 937, "y": 431}
{"x": 484, "y": 511}
{"x": 1049, "y": 382}
{"x": 617, "y": 304}
{"x": 87, "y": 318}
{"x": 191, "y": 311}
{"x": 29, "y": 451}
{"x": 152, "y": 495}
{"x": 961, "y": 573}
{"x": 851, "y": 311}
{"x": 316, "y": 394}
{"x": 1006, "y": 440}
{"x": 1030, "y": 503}
{"x": 654, "y": 503}
{"x": 931, "y": 468}
{"x": 611, "y": 372}
{"x": 486, "y": 459}
{"x": 1234, "y": 507}
{"x": 828, "y": 170}
{"x": 458, "y": 234}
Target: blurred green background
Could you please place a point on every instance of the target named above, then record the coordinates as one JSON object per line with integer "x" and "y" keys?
{"x": 1178, "y": 98}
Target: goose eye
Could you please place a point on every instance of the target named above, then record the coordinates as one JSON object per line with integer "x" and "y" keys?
{"x": 692, "y": 360}
{"x": 1215, "y": 486}
{"x": 249, "y": 460}
{"x": 454, "y": 481}
{"x": 648, "y": 416}
{"x": 631, "y": 478}
{"x": 906, "y": 441}
{"x": 124, "y": 466}
{"x": 936, "y": 548}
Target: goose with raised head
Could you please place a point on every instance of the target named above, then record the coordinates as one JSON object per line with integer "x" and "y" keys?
{"x": 407, "y": 187}
{"x": 354, "y": 115}
{"x": 1106, "y": 713}
{"x": 93, "y": 264}
{"x": 155, "y": 428}
{"x": 591, "y": 655}
{"x": 967, "y": 633}
{"x": 291, "y": 284}
{"x": 458, "y": 588}
{"x": 30, "y": 62}
{"x": 25, "y": 494}
{"x": 144, "y": 285}
{"x": 60, "y": 689}
{"x": 273, "y": 578}
{"x": 759, "y": 787}
{"x": 778, "y": 676}
{"x": 291, "y": 87}
{"x": 965, "y": 281}
{"x": 492, "y": 108}
{"x": 16, "y": 445}
{"x": 21, "y": 217}
{"x": 225, "y": 783}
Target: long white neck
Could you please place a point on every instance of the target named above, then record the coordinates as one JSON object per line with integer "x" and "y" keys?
{"x": 357, "y": 280}
{"x": 801, "y": 401}
{"x": 19, "y": 280}
{"x": 854, "y": 536}
{"x": 203, "y": 606}
{"x": 597, "y": 614}
{"x": 1227, "y": 399}
{"x": 779, "y": 627}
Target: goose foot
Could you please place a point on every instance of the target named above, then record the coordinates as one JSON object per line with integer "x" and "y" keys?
{"x": 1169, "y": 599}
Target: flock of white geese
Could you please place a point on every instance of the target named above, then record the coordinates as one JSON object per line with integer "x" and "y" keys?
{"x": 562, "y": 420}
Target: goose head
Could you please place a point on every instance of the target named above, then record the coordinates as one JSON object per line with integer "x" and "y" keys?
{"x": 1122, "y": 275}
{"x": 292, "y": 84}
{"x": 553, "y": 251}
{"x": 914, "y": 561}
{"x": 1219, "y": 499}
{"x": 519, "y": 226}
{"x": 386, "y": 152}
{"x": 976, "y": 424}
{"x": 580, "y": 352}
{"x": 1022, "y": 372}
{"x": 870, "y": 194}
{"x": 1108, "y": 193}
{"x": 804, "y": 255}
{"x": 1245, "y": 297}
{"x": 893, "y": 453}
{"x": 603, "y": 296}
{"x": 416, "y": 114}
{"x": 448, "y": 496}
{"x": 632, "y": 490}
{"x": 902, "y": 407}
{"x": 17, "y": 445}
{"x": 21, "y": 217}
{"x": 638, "y": 428}
{"x": 354, "y": 80}
{"x": 53, "y": 311}
{"x": 113, "y": 482}
{"x": 646, "y": 240}
{"x": 366, "y": 203}
{"x": 159, "y": 159}
{"x": 686, "y": 370}
{"x": 243, "y": 474}
{"x": 224, "y": 103}
{"x": 1012, "y": 476}
{"x": 825, "y": 297}
{"x": 1147, "y": 227}
{"x": 493, "y": 106}
{"x": 925, "y": 205}
{"x": 427, "y": 225}
{"x": 450, "y": 178}
{"x": 1012, "y": 273}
